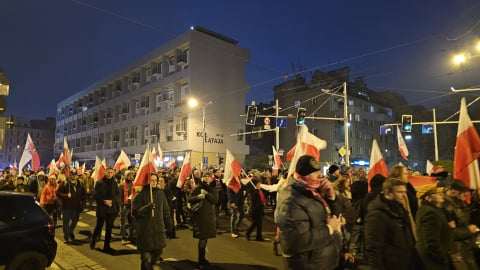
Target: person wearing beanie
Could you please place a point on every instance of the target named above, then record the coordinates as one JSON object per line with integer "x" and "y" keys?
{"x": 389, "y": 239}
{"x": 333, "y": 173}
{"x": 458, "y": 210}
{"x": 126, "y": 188}
{"x": 434, "y": 233}
{"x": 310, "y": 236}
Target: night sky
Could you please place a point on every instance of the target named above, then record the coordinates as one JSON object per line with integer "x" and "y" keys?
{"x": 51, "y": 49}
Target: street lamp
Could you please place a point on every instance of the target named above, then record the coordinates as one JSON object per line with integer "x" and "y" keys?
{"x": 192, "y": 102}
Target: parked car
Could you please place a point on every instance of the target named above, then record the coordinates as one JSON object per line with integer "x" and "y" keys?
{"x": 27, "y": 233}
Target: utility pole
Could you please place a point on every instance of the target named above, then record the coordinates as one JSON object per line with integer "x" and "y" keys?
{"x": 435, "y": 134}
{"x": 277, "y": 128}
{"x": 345, "y": 123}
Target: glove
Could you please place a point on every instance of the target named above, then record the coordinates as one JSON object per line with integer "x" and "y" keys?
{"x": 203, "y": 191}
{"x": 152, "y": 205}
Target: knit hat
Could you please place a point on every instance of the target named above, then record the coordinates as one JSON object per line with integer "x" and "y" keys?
{"x": 41, "y": 173}
{"x": 307, "y": 164}
{"x": 458, "y": 186}
{"x": 333, "y": 169}
{"x": 428, "y": 189}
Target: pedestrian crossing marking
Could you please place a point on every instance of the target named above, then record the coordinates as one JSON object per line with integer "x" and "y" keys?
{"x": 82, "y": 224}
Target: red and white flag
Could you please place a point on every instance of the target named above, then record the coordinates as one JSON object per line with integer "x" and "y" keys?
{"x": 99, "y": 170}
{"x": 185, "y": 171}
{"x": 60, "y": 162}
{"x": 171, "y": 163}
{"x": 29, "y": 154}
{"x": 307, "y": 144}
{"x": 147, "y": 167}
{"x": 277, "y": 161}
{"x": 83, "y": 168}
{"x": 467, "y": 150}
{"x": 154, "y": 153}
{"x": 377, "y": 163}
{"x": 232, "y": 172}
{"x": 402, "y": 146}
{"x": 52, "y": 168}
{"x": 160, "y": 152}
{"x": 429, "y": 167}
{"x": 122, "y": 159}
{"x": 67, "y": 157}
{"x": 310, "y": 144}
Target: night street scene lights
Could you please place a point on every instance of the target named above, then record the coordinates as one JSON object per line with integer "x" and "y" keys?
{"x": 192, "y": 103}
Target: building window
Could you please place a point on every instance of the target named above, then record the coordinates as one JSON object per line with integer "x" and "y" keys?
{"x": 170, "y": 131}
{"x": 350, "y": 102}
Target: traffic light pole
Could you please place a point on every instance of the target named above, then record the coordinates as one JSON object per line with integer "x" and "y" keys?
{"x": 277, "y": 128}
{"x": 345, "y": 123}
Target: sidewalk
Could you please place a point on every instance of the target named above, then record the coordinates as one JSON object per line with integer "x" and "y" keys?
{"x": 70, "y": 259}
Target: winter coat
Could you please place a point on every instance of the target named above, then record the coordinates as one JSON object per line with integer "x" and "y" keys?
{"x": 75, "y": 202}
{"x": 49, "y": 194}
{"x": 151, "y": 231}
{"x": 304, "y": 236}
{"x": 106, "y": 189}
{"x": 434, "y": 236}
{"x": 256, "y": 204}
{"x": 389, "y": 241}
{"x": 204, "y": 222}
{"x": 125, "y": 199}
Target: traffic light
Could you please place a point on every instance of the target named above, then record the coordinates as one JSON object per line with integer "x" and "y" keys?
{"x": 301, "y": 113}
{"x": 406, "y": 123}
{"x": 251, "y": 115}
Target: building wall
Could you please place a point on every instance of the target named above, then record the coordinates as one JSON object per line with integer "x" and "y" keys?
{"x": 146, "y": 102}
{"x": 41, "y": 132}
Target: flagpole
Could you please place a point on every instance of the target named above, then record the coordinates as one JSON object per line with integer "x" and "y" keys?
{"x": 435, "y": 134}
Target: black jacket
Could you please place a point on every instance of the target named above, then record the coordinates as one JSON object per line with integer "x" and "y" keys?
{"x": 151, "y": 230}
{"x": 204, "y": 222}
{"x": 389, "y": 241}
{"x": 106, "y": 189}
{"x": 434, "y": 236}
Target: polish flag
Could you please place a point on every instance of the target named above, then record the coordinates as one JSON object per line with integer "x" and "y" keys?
{"x": 83, "y": 168}
{"x": 67, "y": 160}
{"x": 145, "y": 170}
{"x": 307, "y": 144}
{"x": 29, "y": 154}
{"x": 310, "y": 144}
{"x": 185, "y": 171}
{"x": 429, "y": 167}
{"x": 377, "y": 163}
{"x": 99, "y": 170}
{"x": 154, "y": 153}
{"x": 60, "y": 161}
{"x": 232, "y": 172}
{"x": 467, "y": 150}
{"x": 402, "y": 146}
{"x": 52, "y": 168}
{"x": 171, "y": 164}
{"x": 277, "y": 160}
{"x": 160, "y": 152}
{"x": 122, "y": 160}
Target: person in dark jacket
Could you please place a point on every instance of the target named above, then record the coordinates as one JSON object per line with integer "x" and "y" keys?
{"x": 389, "y": 240}
{"x": 435, "y": 235}
{"x": 126, "y": 190}
{"x": 463, "y": 256}
{"x": 152, "y": 217}
{"x": 72, "y": 194}
{"x": 204, "y": 221}
{"x": 106, "y": 195}
{"x": 258, "y": 201}
{"x": 236, "y": 201}
{"x": 309, "y": 235}
{"x": 162, "y": 185}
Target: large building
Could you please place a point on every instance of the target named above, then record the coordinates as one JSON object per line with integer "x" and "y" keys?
{"x": 15, "y": 137}
{"x": 146, "y": 102}
{"x": 323, "y": 98}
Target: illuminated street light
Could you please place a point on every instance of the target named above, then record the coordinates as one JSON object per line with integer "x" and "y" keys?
{"x": 464, "y": 90}
{"x": 192, "y": 102}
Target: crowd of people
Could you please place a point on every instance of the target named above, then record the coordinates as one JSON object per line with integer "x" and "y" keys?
{"x": 333, "y": 221}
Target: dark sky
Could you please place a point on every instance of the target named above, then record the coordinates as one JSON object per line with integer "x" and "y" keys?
{"x": 51, "y": 49}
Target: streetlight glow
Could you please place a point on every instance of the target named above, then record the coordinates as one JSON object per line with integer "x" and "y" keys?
{"x": 459, "y": 58}
{"x": 192, "y": 102}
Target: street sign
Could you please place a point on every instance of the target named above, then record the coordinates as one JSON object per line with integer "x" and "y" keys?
{"x": 281, "y": 122}
{"x": 342, "y": 151}
{"x": 137, "y": 156}
{"x": 386, "y": 130}
{"x": 427, "y": 129}
{"x": 205, "y": 160}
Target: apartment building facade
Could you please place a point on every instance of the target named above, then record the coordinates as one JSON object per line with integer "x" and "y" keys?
{"x": 147, "y": 102}
{"x": 323, "y": 98}
{"x": 14, "y": 138}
